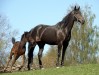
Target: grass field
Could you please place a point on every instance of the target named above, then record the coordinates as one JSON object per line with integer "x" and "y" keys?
{"x": 89, "y": 69}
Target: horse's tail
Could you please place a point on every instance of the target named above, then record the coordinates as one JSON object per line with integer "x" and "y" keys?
{"x": 13, "y": 40}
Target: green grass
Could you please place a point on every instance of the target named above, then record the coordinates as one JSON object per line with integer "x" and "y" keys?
{"x": 89, "y": 69}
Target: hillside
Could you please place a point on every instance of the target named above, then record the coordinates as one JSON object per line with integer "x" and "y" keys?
{"x": 89, "y": 69}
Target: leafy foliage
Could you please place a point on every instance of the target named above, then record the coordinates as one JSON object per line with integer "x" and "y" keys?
{"x": 5, "y": 38}
{"x": 84, "y": 42}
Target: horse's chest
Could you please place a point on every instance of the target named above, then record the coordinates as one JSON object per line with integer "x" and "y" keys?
{"x": 60, "y": 35}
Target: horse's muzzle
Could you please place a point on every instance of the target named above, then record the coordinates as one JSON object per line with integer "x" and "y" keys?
{"x": 83, "y": 21}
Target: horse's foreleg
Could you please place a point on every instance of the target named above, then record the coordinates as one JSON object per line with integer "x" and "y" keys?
{"x": 30, "y": 58}
{"x": 23, "y": 60}
{"x": 14, "y": 60}
{"x": 9, "y": 59}
{"x": 65, "y": 45}
{"x": 58, "y": 54}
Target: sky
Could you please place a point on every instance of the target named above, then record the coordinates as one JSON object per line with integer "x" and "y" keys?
{"x": 23, "y": 15}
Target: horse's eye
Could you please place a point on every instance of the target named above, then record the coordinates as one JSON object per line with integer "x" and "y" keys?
{"x": 76, "y": 13}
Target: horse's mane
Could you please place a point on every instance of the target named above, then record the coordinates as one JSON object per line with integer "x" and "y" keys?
{"x": 65, "y": 20}
{"x": 22, "y": 36}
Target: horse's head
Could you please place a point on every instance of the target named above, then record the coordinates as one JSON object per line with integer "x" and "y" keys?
{"x": 25, "y": 37}
{"x": 78, "y": 15}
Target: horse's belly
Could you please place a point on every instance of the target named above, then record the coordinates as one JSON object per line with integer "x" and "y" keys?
{"x": 49, "y": 40}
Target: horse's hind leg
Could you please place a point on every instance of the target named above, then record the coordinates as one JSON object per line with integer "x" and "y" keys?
{"x": 41, "y": 47}
{"x": 30, "y": 54}
{"x": 23, "y": 58}
{"x": 9, "y": 59}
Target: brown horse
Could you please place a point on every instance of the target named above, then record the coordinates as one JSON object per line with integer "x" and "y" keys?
{"x": 59, "y": 34}
{"x": 17, "y": 52}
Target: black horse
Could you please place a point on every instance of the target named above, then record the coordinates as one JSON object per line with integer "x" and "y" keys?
{"x": 58, "y": 34}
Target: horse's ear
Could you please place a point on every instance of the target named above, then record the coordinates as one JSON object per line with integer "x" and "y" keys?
{"x": 13, "y": 40}
{"x": 75, "y": 8}
{"x": 79, "y": 8}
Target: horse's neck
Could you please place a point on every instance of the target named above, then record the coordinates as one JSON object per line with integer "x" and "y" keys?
{"x": 66, "y": 24}
{"x": 69, "y": 26}
{"x": 23, "y": 43}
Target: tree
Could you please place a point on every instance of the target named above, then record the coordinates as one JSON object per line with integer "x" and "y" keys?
{"x": 5, "y": 38}
{"x": 84, "y": 41}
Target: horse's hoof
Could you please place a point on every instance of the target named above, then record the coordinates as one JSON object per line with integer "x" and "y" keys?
{"x": 19, "y": 69}
{"x": 28, "y": 69}
{"x": 4, "y": 70}
{"x": 42, "y": 68}
{"x": 57, "y": 67}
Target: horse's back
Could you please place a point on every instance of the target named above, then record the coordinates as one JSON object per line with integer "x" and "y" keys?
{"x": 36, "y": 31}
